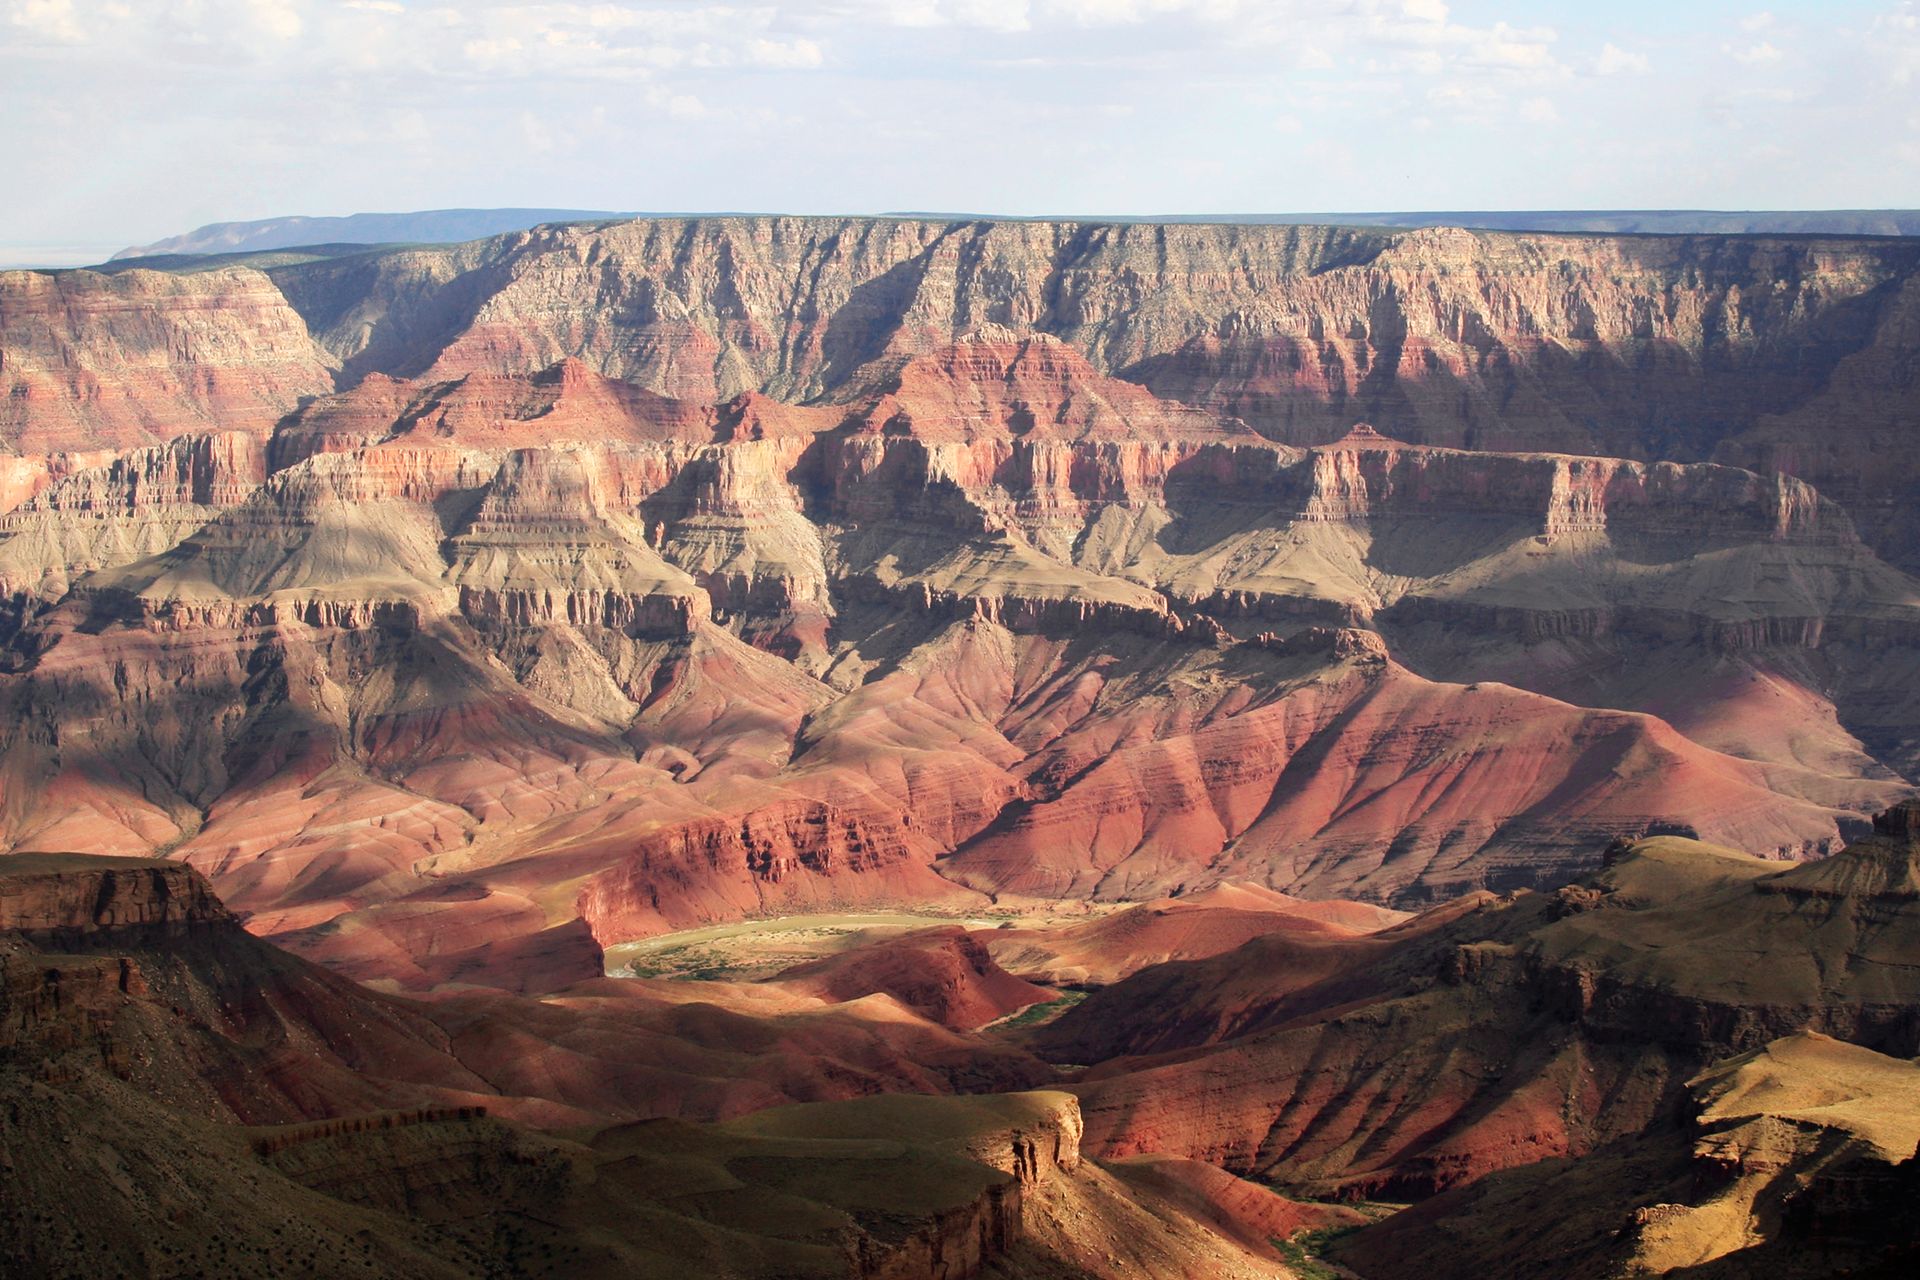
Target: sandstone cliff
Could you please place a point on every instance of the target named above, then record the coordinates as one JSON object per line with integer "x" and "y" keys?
{"x": 544, "y": 598}
{"x": 1794, "y": 1159}
{"x": 1640, "y": 347}
{"x": 94, "y": 361}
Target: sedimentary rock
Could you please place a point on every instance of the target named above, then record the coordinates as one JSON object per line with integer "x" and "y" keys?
{"x": 114, "y": 362}
{"x": 557, "y": 607}
{"x": 945, "y": 974}
{"x": 1795, "y": 1159}
{"x": 1490, "y": 1033}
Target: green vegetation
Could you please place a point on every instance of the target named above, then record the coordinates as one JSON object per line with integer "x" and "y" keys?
{"x": 1046, "y": 1011}
{"x": 749, "y": 950}
{"x": 694, "y": 964}
{"x": 1304, "y": 1251}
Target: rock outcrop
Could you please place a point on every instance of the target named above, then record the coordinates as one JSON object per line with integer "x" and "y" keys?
{"x": 1674, "y": 347}
{"x": 945, "y": 974}
{"x": 1211, "y": 922}
{"x": 138, "y": 1022}
{"x": 115, "y": 362}
{"x": 1794, "y": 1159}
{"x": 103, "y": 898}
{"x": 1491, "y": 1033}
{"x": 663, "y": 573}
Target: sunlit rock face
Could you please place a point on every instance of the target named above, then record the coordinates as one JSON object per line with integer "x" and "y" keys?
{"x": 624, "y": 579}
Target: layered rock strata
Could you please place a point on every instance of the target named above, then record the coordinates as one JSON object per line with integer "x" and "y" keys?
{"x": 1491, "y": 1033}
{"x": 547, "y": 620}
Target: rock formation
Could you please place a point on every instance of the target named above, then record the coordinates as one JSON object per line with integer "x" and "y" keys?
{"x": 660, "y": 573}
{"x": 1638, "y": 347}
{"x": 382, "y": 1137}
{"x": 945, "y": 974}
{"x": 115, "y": 362}
{"x": 1495, "y": 1032}
{"x": 1795, "y": 1159}
{"x": 1195, "y": 927}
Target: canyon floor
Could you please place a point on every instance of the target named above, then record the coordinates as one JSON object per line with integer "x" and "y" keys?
{"x": 1656, "y": 1061}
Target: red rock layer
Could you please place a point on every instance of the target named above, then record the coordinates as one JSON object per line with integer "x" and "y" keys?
{"x": 456, "y": 665}
{"x": 1636, "y": 347}
{"x": 121, "y": 954}
{"x": 943, "y": 974}
{"x": 1491, "y": 1033}
{"x": 1208, "y": 923}
{"x": 119, "y": 361}
{"x": 776, "y": 860}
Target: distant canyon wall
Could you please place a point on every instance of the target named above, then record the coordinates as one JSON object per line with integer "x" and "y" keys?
{"x": 1790, "y": 353}
{"x": 444, "y": 604}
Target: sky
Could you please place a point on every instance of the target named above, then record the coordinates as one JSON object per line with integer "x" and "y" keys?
{"x": 122, "y": 121}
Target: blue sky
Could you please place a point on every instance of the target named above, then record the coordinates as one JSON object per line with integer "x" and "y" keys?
{"x": 127, "y": 120}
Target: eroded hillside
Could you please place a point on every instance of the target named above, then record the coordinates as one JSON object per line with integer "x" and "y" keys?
{"x": 448, "y": 605}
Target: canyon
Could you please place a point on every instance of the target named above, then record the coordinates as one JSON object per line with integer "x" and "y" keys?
{"x": 1375, "y": 709}
{"x": 221, "y": 1105}
{"x": 1724, "y": 1044}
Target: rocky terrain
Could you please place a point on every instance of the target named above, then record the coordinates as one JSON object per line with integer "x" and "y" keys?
{"x": 1794, "y": 1159}
{"x": 1363, "y": 713}
{"x": 218, "y": 1105}
{"x": 448, "y": 605}
{"x": 1725, "y": 1044}
{"x": 1496, "y": 1032}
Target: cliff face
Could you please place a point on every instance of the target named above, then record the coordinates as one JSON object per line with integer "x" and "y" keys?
{"x": 98, "y": 897}
{"x": 729, "y": 659}
{"x": 656, "y": 574}
{"x": 1788, "y": 353}
{"x": 1645, "y": 348}
{"x": 1491, "y": 1033}
{"x": 1793, "y": 1159}
{"x": 118, "y": 361}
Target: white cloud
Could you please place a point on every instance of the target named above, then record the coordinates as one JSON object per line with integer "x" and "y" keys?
{"x": 1466, "y": 98}
{"x": 1539, "y": 111}
{"x": 989, "y": 15}
{"x": 1512, "y": 47}
{"x": 783, "y": 53}
{"x": 1615, "y": 61}
{"x": 278, "y": 19}
{"x": 1896, "y": 38}
{"x": 602, "y": 39}
{"x": 996, "y": 15}
{"x": 1759, "y": 55}
{"x": 678, "y": 106}
{"x": 47, "y": 20}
